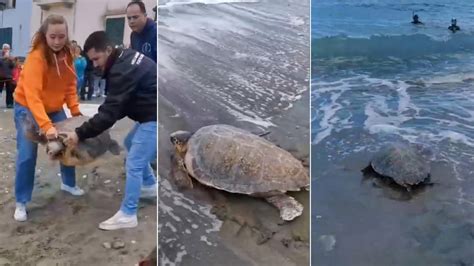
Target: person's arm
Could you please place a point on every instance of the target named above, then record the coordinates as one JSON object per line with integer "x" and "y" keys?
{"x": 33, "y": 82}
{"x": 122, "y": 86}
{"x": 84, "y": 63}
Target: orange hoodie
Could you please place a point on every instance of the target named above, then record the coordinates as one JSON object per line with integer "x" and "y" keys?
{"x": 45, "y": 89}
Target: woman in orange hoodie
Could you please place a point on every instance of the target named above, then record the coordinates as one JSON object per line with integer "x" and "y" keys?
{"x": 47, "y": 82}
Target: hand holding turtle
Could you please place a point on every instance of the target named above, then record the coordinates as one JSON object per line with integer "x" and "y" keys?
{"x": 51, "y": 133}
{"x": 71, "y": 139}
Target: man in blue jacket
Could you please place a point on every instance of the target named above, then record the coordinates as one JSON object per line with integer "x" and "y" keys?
{"x": 144, "y": 30}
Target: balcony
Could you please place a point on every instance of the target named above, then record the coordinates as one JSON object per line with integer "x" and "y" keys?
{"x": 47, "y": 4}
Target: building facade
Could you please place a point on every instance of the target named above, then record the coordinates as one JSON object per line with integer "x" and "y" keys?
{"x": 15, "y": 21}
{"x": 87, "y": 16}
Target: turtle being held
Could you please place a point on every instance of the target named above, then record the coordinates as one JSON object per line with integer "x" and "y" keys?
{"x": 237, "y": 161}
{"x": 85, "y": 152}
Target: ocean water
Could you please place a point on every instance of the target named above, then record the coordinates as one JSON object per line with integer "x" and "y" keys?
{"x": 376, "y": 79}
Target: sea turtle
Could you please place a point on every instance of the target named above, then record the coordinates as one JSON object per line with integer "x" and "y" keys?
{"x": 85, "y": 152}
{"x": 403, "y": 164}
{"x": 237, "y": 161}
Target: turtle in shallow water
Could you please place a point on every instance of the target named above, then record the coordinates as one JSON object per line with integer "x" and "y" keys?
{"x": 237, "y": 161}
{"x": 403, "y": 164}
{"x": 83, "y": 153}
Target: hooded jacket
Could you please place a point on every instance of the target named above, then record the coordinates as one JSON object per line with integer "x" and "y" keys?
{"x": 145, "y": 41}
{"x": 45, "y": 89}
{"x": 6, "y": 68}
{"x": 131, "y": 85}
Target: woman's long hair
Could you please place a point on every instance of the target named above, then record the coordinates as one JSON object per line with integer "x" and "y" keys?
{"x": 39, "y": 39}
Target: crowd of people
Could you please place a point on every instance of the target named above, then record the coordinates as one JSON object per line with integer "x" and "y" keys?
{"x": 58, "y": 72}
{"x": 89, "y": 82}
{"x": 10, "y": 69}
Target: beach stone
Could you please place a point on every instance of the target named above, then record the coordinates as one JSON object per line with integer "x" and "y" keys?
{"x": 118, "y": 244}
{"x": 107, "y": 245}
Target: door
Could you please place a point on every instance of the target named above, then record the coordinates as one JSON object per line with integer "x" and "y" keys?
{"x": 114, "y": 27}
{"x": 6, "y": 36}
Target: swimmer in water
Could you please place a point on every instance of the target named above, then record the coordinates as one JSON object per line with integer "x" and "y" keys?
{"x": 453, "y": 26}
{"x": 416, "y": 20}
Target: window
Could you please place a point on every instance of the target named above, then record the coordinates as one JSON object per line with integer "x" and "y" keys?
{"x": 8, "y": 4}
{"x": 6, "y": 36}
{"x": 114, "y": 27}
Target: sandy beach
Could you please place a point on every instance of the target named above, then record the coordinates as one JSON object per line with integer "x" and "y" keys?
{"x": 245, "y": 64}
{"x": 62, "y": 229}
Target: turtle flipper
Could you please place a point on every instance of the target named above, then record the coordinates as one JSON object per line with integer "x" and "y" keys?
{"x": 32, "y": 132}
{"x": 178, "y": 173}
{"x": 114, "y": 147}
{"x": 288, "y": 206}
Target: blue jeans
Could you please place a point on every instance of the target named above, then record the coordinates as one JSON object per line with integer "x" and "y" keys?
{"x": 99, "y": 85}
{"x": 79, "y": 84}
{"x": 27, "y": 153}
{"x": 141, "y": 147}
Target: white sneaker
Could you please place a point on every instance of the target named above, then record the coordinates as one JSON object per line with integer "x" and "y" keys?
{"x": 148, "y": 191}
{"x": 118, "y": 221}
{"x": 20, "y": 212}
{"x": 76, "y": 191}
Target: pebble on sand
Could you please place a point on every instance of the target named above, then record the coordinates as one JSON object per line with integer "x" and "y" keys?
{"x": 106, "y": 245}
{"x": 118, "y": 244}
{"x": 107, "y": 181}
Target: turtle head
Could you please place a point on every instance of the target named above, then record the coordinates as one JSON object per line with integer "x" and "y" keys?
{"x": 180, "y": 140}
{"x": 54, "y": 149}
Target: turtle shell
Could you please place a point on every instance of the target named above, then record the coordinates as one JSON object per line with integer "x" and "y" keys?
{"x": 403, "y": 164}
{"x": 86, "y": 151}
{"x": 235, "y": 160}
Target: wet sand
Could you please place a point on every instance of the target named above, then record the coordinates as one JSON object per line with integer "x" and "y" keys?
{"x": 63, "y": 229}
{"x": 359, "y": 221}
{"x": 243, "y": 64}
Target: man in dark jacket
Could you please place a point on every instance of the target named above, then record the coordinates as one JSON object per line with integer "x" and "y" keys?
{"x": 7, "y": 64}
{"x": 131, "y": 81}
{"x": 144, "y": 30}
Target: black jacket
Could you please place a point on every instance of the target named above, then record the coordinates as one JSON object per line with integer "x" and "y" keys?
{"x": 6, "y": 68}
{"x": 131, "y": 85}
